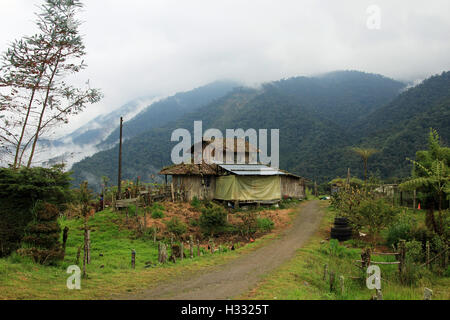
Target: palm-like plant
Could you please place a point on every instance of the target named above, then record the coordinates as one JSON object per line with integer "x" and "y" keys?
{"x": 365, "y": 154}
{"x": 436, "y": 178}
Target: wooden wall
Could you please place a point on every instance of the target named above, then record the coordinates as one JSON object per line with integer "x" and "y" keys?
{"x": 292, "y": 187}
{"x": 195, "y": 186}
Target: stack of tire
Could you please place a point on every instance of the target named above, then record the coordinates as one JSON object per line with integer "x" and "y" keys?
{"x": 342, "y": 230}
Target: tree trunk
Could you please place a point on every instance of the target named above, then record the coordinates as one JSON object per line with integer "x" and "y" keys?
{"x": 44, "y": 106}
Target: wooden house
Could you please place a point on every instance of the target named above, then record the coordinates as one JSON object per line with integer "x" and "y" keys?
{"x": 243, "y": 181}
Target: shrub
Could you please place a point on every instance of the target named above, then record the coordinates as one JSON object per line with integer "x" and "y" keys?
{"x": 265, "y": 224}
{"x": 42, "y": 235}
{"x": 213, "y": 219}
{"x": 375, "y": 215}
{"x": 249, "y": 224}
{"x": 403, "y": 228}
{"x": 414, "y": 251}
{"x": 195, "y": 203}
{"x": 19, "y": 191}
{"x": 176, "y": 226}
{"x": 157, "y": 214}
{"x": 158, "y": 206}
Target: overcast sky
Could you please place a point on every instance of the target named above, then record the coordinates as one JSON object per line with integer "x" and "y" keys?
{"x": 146, "y": 47}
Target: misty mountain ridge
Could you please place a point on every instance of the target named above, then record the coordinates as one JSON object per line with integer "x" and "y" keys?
{"x": 319, "y": 119}
{"x": 139, "y": 115}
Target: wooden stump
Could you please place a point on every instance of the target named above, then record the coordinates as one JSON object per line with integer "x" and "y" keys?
{"x": 162, "y": 253}
{"x": 427, "y": 294}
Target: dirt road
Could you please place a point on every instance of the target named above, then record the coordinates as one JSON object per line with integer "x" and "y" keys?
{"x": 241, "y": 274}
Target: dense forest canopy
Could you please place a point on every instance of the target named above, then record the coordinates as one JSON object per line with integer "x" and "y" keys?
{"x": 320, "y": 119}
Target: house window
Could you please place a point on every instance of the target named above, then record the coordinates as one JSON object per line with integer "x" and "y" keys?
{"x": 207, "y": 180}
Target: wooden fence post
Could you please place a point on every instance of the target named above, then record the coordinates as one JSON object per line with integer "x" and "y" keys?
{"x": 78, "y": 255}
{"x": 427, "y": 247}
{"x": 133, "y": 259}
{"x": 198, "y": 248}
{"x": 154, "y": 234}
{"x": 379, "y": 294}
{"x": 162, "y": 253}
{"x": 341, "y": 281}
{"x": 172, "y": 192}
{"x": 402, "y": 258}
{"x": 191, "y": 246}
{"x": 65, "y": 235}
{"x": 88, "y": 249}
{"x": 325, "y": 272}
{"x": 181, "y": 251}
{"x": 365, "y": 258}
{"x": 445, "y": 256}
{"x": 332, "y": 280}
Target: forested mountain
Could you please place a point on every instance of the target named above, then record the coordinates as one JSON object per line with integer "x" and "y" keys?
{"x": 318, "y": 118}
{"x": 400, "y": 128}
{"x": 170, "y": 109}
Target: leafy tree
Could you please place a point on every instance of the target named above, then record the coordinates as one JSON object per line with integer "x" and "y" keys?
{"x": 34, "y": 96}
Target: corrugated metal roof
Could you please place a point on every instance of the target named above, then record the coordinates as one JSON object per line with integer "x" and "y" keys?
{"x": 251, "y": 170}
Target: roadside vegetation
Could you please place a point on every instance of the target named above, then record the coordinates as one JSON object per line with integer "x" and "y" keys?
{"x": 382, "y": 230}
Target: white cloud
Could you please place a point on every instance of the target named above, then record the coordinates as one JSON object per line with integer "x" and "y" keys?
{"x": 139, "y": 48}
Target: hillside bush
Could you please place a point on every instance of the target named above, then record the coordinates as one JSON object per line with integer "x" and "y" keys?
{"x": 157, "y": 210}
{"x": 157, "y": 214}
{"x": 41, "y": 240}
{"x": 213, "y": 219}
{"x": 265, "y": 224}
{"x": 402, "y": 228}
{"x": 176, "y": 226}
{"x": 196, "y": 204}
{"x": 249, "y": 224}
{"x": 19, "y": 191}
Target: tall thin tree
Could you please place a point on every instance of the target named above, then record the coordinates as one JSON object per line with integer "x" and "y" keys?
{"x": 34, "y": 96}
{"x": 365, "y": 154}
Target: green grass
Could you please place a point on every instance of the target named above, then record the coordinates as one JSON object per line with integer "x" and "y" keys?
{"x": 109, "y": 274}
{"x": 302, "y": 277}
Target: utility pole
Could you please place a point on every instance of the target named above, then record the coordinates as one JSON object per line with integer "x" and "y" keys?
{"x": 119, "y": 178}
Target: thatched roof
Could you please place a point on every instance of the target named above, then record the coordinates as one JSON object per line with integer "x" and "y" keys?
{"x": 190, "y": 169}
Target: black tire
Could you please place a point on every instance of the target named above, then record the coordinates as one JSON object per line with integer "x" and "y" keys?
{"x": 341, "y": 238}
{"x": 342, "y": 229}
{"x": 340, "y": 221}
